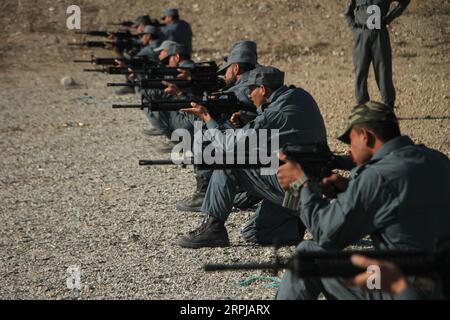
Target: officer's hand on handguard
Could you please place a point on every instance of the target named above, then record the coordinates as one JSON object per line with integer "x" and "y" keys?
{"x": 184, "y": 74}
{"x": 333, "y": 185}
{"x": 289, "y": 172}
{"x": 131, "y": 75}
{"x": 235, "y": 120}
{"x": 110, "y": 46}
{"x": 119, "y": 64}
{"x": 172, "y": 88}
{"x": 199, "y": 111}
{"x": 391, "y": 278}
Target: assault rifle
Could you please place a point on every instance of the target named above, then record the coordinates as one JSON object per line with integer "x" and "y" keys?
{"x": 139, "y": 63}
{"x": 119, "y": 44}
{"x": 99, "y": 61}
{"x": 121, "y": 35}
{"x": 328, "y": 264}
{"x": 114, "y": 71}
{"x": 316, "y": 159}
{"x": 199, "y": 85}
{"x": 125, "y": 24}
{"x": 130, "y": 24}
{"x": 206, "y": 71}
{"x": 225, "y": 103}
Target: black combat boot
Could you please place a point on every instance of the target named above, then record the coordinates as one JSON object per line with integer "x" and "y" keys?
{"x": 124, "y": 91}
{"x": 194, "y": 204}
{"x": 166, "y": 148}
{"x": 153, "y": 132}
{"x": 211, "y": 233}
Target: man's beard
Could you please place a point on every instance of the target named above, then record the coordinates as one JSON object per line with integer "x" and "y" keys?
{"x": 230, "y": 82}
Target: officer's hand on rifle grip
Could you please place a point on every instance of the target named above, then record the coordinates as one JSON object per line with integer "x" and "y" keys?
{"x": 184, "y": 74}
{"x": 235, "y": 121}
{"x": 289, "y": 172}
{"x": 391, "y": 278}
{"x": 333, "y": 185}
{"x": 172, "y": 88}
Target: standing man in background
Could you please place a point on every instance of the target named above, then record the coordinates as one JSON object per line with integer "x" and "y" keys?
{"x": 372, "y": 44}
{"x": 177, "y": 30}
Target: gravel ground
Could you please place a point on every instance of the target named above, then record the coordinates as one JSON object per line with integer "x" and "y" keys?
{"x": 72, "y": 192}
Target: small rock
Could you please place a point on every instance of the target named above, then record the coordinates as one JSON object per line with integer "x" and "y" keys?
{"x": 68, "y": 82}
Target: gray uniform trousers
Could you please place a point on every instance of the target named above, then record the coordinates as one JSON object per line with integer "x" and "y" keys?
{"x": 271, "y": 224}
{"x": 294, "y": 288}
{"x": 242, "y": 200}
{"x": 373, "y": 46}
{"x": 166, "y": 121}
{"x": 158, "y": 121}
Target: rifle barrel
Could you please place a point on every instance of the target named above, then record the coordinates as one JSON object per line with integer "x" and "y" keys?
{"x": 120, "y": 84}
{"x": 126, "y": 24}
{"x": 93, "y": 33}
{"x": 155, "y": 162}
{"x": 127, "y": 106}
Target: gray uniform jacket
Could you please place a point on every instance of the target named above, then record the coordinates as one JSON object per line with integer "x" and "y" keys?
{"x": 148, "y": 51}
{"x": 179, "y": 32}
{"x": 400, "y": 198}
{"x": 288, "y": 108}
{"x": 357, "y": 15}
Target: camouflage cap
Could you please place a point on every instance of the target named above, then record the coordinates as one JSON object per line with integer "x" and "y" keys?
{"x": 370, "y": 112}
